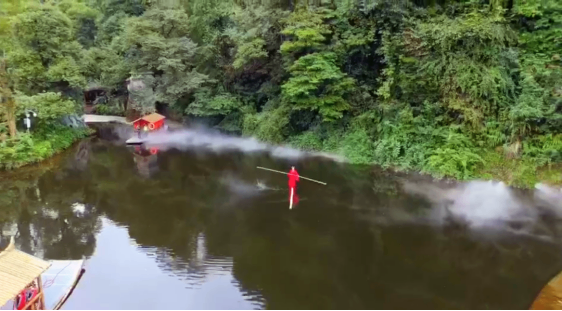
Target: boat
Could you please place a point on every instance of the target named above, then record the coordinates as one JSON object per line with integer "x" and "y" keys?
{"x": 31, "y": 283}
{"x": 550, "y": 297}
{"x": 135, "y": 140}
{"x": 149, "y": 123}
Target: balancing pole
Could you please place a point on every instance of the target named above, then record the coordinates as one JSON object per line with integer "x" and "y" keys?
{"x": 309, "y": 179}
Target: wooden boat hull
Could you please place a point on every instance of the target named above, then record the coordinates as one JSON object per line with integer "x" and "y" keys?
{"x": 550, "y": 297}
{"x": 135, "y": 141}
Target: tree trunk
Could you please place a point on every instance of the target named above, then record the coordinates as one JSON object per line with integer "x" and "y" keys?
{"x": 6, "y": 97}
{"x": 11, "y": 116}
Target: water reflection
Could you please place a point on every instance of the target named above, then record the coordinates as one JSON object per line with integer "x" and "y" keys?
{"x": 43, "y": 213}
{"x": 82, "y": 155}
{"x": 122, "y": 269}
{"x": 146, "y": 160}
{"x": 201, "y": 225}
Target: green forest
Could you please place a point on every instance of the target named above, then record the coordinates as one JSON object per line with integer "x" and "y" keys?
{"x": 462, "y": 89}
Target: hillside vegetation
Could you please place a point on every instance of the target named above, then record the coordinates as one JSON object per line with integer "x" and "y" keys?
{"x": 462, "y": 89}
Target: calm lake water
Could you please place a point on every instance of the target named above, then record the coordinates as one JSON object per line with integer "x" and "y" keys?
{"x": 192, "y": 224}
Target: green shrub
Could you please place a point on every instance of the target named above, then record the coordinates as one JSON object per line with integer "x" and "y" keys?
{"x": 309, "y": 141}
{"x": 208, "y": 104}
{"x": 108, "y": 109}
{"x": 45, "y": 142}
{"x": 456, "y": 158}
{"x": 357, "y": 146}
{"x": 269, "y": 126}
{"x": 545, "y": 149}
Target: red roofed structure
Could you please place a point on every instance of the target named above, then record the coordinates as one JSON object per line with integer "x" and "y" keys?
{"x": 151, "y": 122}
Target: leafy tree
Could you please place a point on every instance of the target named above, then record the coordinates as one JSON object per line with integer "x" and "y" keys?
{"x": 208, "y": 104}
{"x": 160, "y": 46}
{"x": 537, "y": 110}
{"x": 316, "y": 81}
{"x": 83, "y": 18}
{"x": 7, "y": 103}
{"x": 473, "y": 79}
{"x": 47, "y": 105}
{"x": 252, "y": 64}
{"x": 46, "y": 54}
{"x": 307, "y": 30}
{"x": 8, "y": 10}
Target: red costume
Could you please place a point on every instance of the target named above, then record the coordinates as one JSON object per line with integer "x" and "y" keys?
{"x": 293, "y": 178}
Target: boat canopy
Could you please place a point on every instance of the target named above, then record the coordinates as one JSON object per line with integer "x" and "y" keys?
{"x": 17, "y": 270}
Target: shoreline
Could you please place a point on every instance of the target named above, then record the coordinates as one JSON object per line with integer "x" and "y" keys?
{"x": 522, "y": 173}
{"x": 518, "y": 173}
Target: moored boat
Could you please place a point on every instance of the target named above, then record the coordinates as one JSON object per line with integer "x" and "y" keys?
{"x": 30, "y": 283}
{"x": 149, "y": 123}
{"x": 550, "y": 297}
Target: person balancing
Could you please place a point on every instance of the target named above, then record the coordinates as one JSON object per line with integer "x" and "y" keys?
{"x": 294, "y": 177}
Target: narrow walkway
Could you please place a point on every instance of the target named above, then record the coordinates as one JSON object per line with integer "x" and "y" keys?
{"x": 94, "y": 118}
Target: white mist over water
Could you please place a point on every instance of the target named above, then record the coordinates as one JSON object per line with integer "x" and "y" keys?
{"x": 487, "y": 205}
{"x": 200, "y": 138}
{"x": 478, "y": 203}
{"x": 550, "y": 197}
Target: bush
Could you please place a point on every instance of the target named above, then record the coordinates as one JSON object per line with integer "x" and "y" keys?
{"x": 42, "y": 144}
{"x": 456, "y": 158}
{"x": 107, "y": 109}
{"x": 357, "y": 146}
{"x": 309, "y": 141}
{"x": 545, "y": 149}
{"x": 269, "y": 126}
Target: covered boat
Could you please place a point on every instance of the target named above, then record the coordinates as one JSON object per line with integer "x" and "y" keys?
{"x": 30, "y": 283}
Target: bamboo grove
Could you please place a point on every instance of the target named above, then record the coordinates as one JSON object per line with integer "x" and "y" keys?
{"x": 455, "y": 88}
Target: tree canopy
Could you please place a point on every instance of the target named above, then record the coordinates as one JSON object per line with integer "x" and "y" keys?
{"x": 437, "y": 86}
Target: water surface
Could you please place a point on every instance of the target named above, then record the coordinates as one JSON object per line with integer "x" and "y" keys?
{"x": 197, "y": 227}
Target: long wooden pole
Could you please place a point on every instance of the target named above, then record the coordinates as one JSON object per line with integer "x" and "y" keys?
{"x": 309, "y": 179}
{"x": 40, "y": 286}
{"x": 31, "y": 304}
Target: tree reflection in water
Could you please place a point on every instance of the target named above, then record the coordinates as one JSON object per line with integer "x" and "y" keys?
{"x": 43, "y": 205}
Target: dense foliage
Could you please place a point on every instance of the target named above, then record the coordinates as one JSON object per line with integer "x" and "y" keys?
{"x": 436, "y": 86}
{"x": 42, "y": 144}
